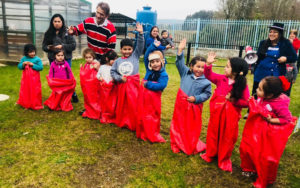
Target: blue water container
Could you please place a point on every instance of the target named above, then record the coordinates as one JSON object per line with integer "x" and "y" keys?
{"x": 147, "y": 18}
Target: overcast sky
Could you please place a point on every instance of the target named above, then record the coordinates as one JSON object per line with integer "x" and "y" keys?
{"x": 166, "y": 9}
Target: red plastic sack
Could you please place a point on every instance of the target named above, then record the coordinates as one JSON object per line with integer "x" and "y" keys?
{"x": 126, "y": 110}
{"x": 222, "y": 131}
{"x": 262, "y": 145}
{"x": 108, "y": 101}
{"x": 30, "y": 91}
{"x": 186, "y": 126}
{"x": 149, "y": 111}
{"x": 62, "y": 90}
{"x": 91, "y": 91}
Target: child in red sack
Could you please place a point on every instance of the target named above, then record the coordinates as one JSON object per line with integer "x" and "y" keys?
{"x": 194, "y": 90}
{"x": 30, "y": 90}
{"x": 230, "y": 96}
{"x": 62, "y": 83}
{"x": 149, "y": 109}
{"x": 90, "y": 85}
{"x": 125, "y": 71}
{"x": 108, "y": 89}
{"x": 266, "y": 131}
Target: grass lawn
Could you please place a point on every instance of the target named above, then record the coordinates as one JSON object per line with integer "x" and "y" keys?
{"x": 61, "y": 149}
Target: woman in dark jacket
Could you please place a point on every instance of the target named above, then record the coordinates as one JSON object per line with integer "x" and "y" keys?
{"x": 56, "y": 37}
{"x": 273, "y": 54}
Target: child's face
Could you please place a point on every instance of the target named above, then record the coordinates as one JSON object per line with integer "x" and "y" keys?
{"x": 156, "y": 64}
{"x": 198, "y": 68}
{"x": 111, "y": 62}
{"x": 31, "y": 54}
{"x": 60, "y": 57}
{"x": 154, "y": 33}
{"x": 165, "y": 35}
{"x": 89, "y": 58}
{"x": 126, "y": 51}
{"x": 228, "y": 69}
{"x": 260, "y": 91}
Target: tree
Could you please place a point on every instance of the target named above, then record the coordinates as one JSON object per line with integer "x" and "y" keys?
{"x": 203, "y": 14}
{"x": 236, "y": 9}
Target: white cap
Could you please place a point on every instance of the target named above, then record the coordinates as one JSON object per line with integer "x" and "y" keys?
{"x": 153, "y": 56}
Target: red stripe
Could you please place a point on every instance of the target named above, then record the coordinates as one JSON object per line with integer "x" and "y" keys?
{"x": 97, "y": 36}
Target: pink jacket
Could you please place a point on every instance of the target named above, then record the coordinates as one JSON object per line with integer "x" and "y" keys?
{"x": 223, "y": 86}
{"x": 279, "y": 107}
{"x": 60, "y": 70}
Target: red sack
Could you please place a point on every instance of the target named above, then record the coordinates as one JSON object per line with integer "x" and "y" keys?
{"x": 91, "y": 91}
{"x": 126, "y": 110}
{"x": 108, "y": 101}
{"x": 149, "y": 111}
{"x": 262, "y": 145}
{"x": 62, "y": 91}
{"x": 222, "y": 131}
{"x": 30, "y": 91}
{"x": 186, "y": 126}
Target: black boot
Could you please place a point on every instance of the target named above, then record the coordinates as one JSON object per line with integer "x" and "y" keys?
{"x": 75, "y": 98}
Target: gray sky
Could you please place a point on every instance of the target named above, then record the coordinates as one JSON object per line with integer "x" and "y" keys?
{"x": 166, "y": 9}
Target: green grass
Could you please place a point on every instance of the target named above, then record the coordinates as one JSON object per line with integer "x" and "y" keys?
{"x": 60, "y": 149}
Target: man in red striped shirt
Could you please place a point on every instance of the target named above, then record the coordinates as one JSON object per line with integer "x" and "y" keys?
{"x": 101, "y": 33}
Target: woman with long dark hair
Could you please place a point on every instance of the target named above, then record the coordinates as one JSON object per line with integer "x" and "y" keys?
{"x": 57, "y": 37}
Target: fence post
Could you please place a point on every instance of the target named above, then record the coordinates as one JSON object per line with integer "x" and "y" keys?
{"x": 226, "y": 32}
{"x": 289, "y": 28}
{"x": 197, "y": 36}
{"x": 188, "y": 53}
{"x": 241, "y": 51}
{"x": 32, "y": 20}
{"x": 256, "y": 32}
{"x": 5, "y": 29}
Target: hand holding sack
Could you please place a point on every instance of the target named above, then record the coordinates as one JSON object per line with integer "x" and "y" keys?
{"x": 263, "y": 144}
{"x": 126, "y": 110}
{"x": 91, "y": 91}
{"x": 30, "y": 91}
{"x": 222, "y": 132}
{"x": 186, "y": 126}
{"x": 108, "y": 102}
{"x": 62, "y": 91}
{"x": 149, "y": 112}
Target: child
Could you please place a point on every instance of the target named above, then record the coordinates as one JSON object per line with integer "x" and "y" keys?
{"x": 155, "y": 81}
{"x": 108, "y": 90}
{"x": 165, "y": 39}
{"x": 62, "y": 83}
{"x": 266, "y": 131}
{"x": 194, "y": 90}
{"x": 90, "y": 85}
{"x": 125, "y": 71}
{"x": 230, "y": 96}
{"x": 30, "y": 90}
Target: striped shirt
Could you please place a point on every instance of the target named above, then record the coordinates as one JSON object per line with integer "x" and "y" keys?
{"x": 101, "y": 38}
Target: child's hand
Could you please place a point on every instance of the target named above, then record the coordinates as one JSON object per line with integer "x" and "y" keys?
{"x": 80, "y": 65}
{"x": 181, "y": 46}
{"x": 30, "y": 64}
{"x": 168, "y": 46}
{"x": 100, "y": 79}
{"x": 71, "y": 30}
{"x": 124, "y": 79}
{"x": 96, "y": 64}
{"x": 282, "y": 59}
{"x": 210, "y": 58}
{"x": 191, "y": 99}
{"x": 139, "y": 28}
{"x": 145, "y": 83}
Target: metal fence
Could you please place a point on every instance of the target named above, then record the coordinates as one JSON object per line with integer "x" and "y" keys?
{"x": 225, "y": 34}
{"x": 25, "y": 21}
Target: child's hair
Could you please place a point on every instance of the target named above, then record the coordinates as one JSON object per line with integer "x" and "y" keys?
{"x": 163, "y": 31}
{"x": 195, "y": 59}
{"x": 58, "y": 51}
{"x": 126, "y": 42}
{"x": 110, "y": 55}
{"x": 273, "y": 86}
{"x": 239, "y": 68}
{"x": 88, "y": 51}
{"x": 294, "y": 31}
{"x": 29, "y": 48}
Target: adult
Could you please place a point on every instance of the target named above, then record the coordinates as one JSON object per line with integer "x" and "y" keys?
{"x": 101, "y": 33}
{"x": 273, "y": 54}
{"x": 57, "y": 37}
{"x": 153, "y": 37}
{"x": 293, "y": 68}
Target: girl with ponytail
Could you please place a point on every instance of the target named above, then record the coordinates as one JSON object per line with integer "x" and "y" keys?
{"x": 230, "y": 96}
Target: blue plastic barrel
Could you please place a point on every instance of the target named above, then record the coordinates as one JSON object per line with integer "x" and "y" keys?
{"x": 146, "y": 17}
